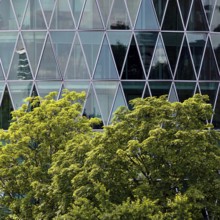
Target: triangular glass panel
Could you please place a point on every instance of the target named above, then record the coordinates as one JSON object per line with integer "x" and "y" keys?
{"x": 62, "y": 42}
{"x": 197, "y": 45}
{"x": 7, "y": 17}
{"x": 19, "y": 7}
{"x": 7, "y": 46}
{"x": 34, "y": 91}
{"x": 209, "y": 69}
{"x": 119, "y": 16}
{"x": 185, "y": 90}
{"x": 133, "y": 90}
{"x": 2, "y": 87}
{"x": 44, "y": 88}
{"x": 5, "y": 110}
{"x": 48, "y": 7}
{"x": 160, "y": 66}
{"x": 34, "y": 41}
{"x": 146, "y": 91}
{"x": 215, "y": 25}
{"x": 185, "y": 69}
{"x": 210, "y": 89}
{"x": 172, "y": 19}
{"x": 216, "y": 118}
{"x": 147, "y": 17}
{"x": 105, "y": 67}
{"x": 173, "y": 96}
{"x": 133, "y": 8}
{"x": 105, "y": 92}
{"x": 91, "y": 108}
{"x": 172, "y": 42}
{"x": 197, "y": 19}
{"x": 133, "y": 67}
{"x": 20, "y": 68}
{"x": 77, "y": 68}
{"x": 91, "y": 18}
{"x": 105, "y": 7}
{"x": 77, "y": 86}
{"x": 146, "y": 42}
{"x": 208, "y": 6}
{"x": 160, "y": 7}
{"x": 48, "y": 66}
{"x": 118, "y": 102}
{"x": 91, "y": 42}
{"x": 33, "y": 18}
{"x": 76, "y": 7}
{"x": 62, "y": 17}
{"x": 19, "y": 92}
{"x": 159, "y": 88}
{"x": 119, "y": 43}
{"x": 2, "y": 76}
{"x": 216, "y": 46}
{"x": 185, "y": 8}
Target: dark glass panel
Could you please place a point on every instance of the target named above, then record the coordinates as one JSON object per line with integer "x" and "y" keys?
{"x": 133, "y": 90}
{"x": 216, "y": 46}
{"x": 172, "y": 43}
{"x": 172, "y": 19}
{"x": 216, "y": 118}
{"x": 76, "y": 67}
{"x": 210, "y": 89}
{"x": 185, "y": 69}
{"x": 133, "y": 67}
{"x": 147, "y": 17}
{"x": 185, "y": 7}
{"x": 160, "y": 66}
{"x": 185, "y": 90}
{"x": 146, "y": 91}
{"x": 197, "y": 19}
{"x": 105, "y": 8}
{"x": 133, "y": 7}
{"x": 62, "y": 17}
{"x": 19, "y": 7}
{"x": 119, "y": 17}
{"x": 159, "y": 88}
{"x": 119, "y": 43}
{"x": 197, "y": 44}
{"x": 215, "y": 25}
{"x": 209, "y": 69}
{"x": 105, "y": 67}
{"x": 33, "y": 18}
{"x": 91, "y": 18}
{"x": 160, "y": 7}
{"x": 208, "y": 6}
{"x": 146, "y": 42}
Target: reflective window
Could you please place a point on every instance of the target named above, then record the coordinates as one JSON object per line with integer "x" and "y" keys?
{"x": 215, "y": 25}
{"x": 185, "y": 8}
{"x": 159, "y": 88}
{"x": 216, "y": 46}
{"x": 76, "y": 6}
{"x": 77, "y": 86}
{"x": 19, "y": 7}
{"x": 185, "y": 90}
{"x": 133, "y": 8}
{"x": 48, "y": 86}
{"x": 159, "y": 7}
{"x": 105, "y": 8}
{"x": 208, "y": 6}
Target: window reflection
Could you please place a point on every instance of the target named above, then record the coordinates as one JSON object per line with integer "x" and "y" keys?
{"x": 215, "y": 26}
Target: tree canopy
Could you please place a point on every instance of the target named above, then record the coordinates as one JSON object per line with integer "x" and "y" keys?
{"x": 157, "y": 160}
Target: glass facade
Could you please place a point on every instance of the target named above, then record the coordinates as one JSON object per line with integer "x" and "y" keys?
{"x": 115, "y": 50}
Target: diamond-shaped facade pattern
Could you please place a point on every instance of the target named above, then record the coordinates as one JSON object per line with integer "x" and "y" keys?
{"x": 114, "y": 50}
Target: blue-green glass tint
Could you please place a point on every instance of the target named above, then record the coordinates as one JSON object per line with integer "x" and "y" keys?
{"x": 173, "y": 96}
{"x": 33, "y": 18}
{"x": 208, "y": 6}
{"x": 105, "y": 92}
{"x": 48, "y": 66}
{"x": 34, "y": 41}
{"x": 133, "y": 8}
{"x": 185, "y": 90}
{"x": 215, "y": 25}
{"x": 172, "y": 19}
{"x": 45, "y": 87}
{"x": 91, "y": 42}
{"x": 19, "y": 7}
{"x": 216, "y": 46}
{"x": 76, "y": 6}
{"x": 160, "y": 66}
{"x": 47, "y": 6}
{"x": 7, "y": 45}
{"x": 91, "y": 18}
{"x": 119, "y": 16}
{"x": 2, "y": 76}
{"x": 62, "y": 17}
{"x": 197, "y": 44}
{"x": 62, "y": 42}
{"x": 119, "y": 41}
{"x": 19, "y": 92}
{"x": 105, "y": 67}
{"x": 7, "y": 17}
{"x": 146, "y": 42}
{"x": 78, "y": 86}
{"x": 77, "y": 68}
{"x": 159, "y": 88}
{"x": 105, "y": 9}
{"x": 147, "y": 17}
